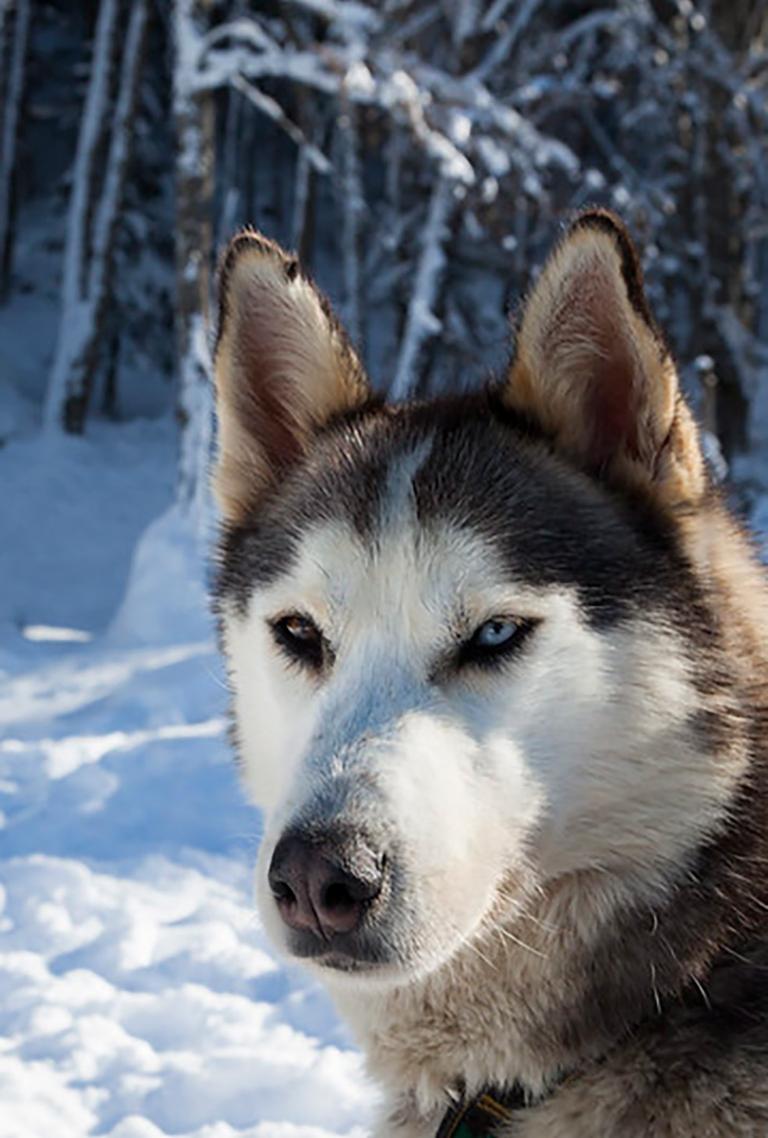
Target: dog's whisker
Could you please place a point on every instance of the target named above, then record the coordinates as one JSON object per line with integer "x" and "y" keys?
{"x": 507, "y": 935}
{"x": 217, "y": 679}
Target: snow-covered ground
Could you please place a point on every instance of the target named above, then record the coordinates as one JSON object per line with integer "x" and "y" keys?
{"x": 139, "y": 997}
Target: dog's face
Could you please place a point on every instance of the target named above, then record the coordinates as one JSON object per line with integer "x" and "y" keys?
{"x": 452, "y": 629}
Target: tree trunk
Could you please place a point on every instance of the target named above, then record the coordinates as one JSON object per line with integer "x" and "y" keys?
{"x": 193, "y": 113}
{"x": 11, "y": 94}
{"x": 67, "y": 395}
{"x": 104, "y": 226}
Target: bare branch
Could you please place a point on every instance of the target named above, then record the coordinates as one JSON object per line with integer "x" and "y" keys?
{"x": 270, "y": 107}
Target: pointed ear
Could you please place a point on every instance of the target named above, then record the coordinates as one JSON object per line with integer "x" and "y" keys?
{"x": 284, "y": 367}
{"x": 592, "y": 369}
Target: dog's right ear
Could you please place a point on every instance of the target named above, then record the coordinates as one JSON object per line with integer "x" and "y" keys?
{"x": 284, "y": 368}
{"x": 593, "y": 371}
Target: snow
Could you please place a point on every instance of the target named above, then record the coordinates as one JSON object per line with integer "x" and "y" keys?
{"x": 71, "y": 514}
{"x": 138, "y": 996}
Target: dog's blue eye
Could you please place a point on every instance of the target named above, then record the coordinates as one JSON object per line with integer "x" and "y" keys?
{"x": 300, "y": 639}
{"x": 495, "y": 633}
{"x": 494, "y": 640}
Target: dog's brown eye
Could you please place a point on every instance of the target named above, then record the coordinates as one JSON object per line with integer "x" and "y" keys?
{"x": 495, "y": 639}
{"x": 301, "y": 639}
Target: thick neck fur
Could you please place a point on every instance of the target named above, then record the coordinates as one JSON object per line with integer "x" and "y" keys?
{"x": 595, "y": 957}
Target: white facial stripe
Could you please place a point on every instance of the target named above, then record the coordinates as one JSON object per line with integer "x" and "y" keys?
{"x": 397, "y": 503}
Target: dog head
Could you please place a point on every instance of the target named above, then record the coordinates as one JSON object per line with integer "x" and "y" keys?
{"x": 453, "y": 629}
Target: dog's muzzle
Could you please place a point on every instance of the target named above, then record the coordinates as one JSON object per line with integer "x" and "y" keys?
{"x": 329, "y": 889}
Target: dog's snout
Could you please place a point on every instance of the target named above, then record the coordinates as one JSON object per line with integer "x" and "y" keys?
{"x": 324, "y": 886}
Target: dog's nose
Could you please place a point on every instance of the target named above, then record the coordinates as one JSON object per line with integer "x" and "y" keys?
{"x": 324, "y": 886}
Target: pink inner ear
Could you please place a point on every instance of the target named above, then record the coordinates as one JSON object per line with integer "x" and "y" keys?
{"x": 612, "y": 404}
{"x": 591, "y": 338}
{"x": 266, "y": 397}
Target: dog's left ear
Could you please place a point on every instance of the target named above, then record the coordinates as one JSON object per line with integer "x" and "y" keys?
{"x": 284, "y": 368}
{"x": 592, "y": 369}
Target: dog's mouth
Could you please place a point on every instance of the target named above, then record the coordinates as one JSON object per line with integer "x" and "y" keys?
{"x": 358, "y": 953}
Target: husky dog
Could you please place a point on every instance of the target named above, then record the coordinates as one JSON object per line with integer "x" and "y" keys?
{"x": 500, "y": 677}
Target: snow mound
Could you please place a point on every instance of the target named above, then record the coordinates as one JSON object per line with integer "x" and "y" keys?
{"x": 138, "y": 996}
{"x": 166, "y": 595}
{"x": 144, "y": 1005}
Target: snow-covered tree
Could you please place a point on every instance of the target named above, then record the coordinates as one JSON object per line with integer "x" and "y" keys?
{"x": 420, "y": 156}
{"x": 15, "y": 18}
{"x": 193, "y": 115}
{"x": 98, "y": 178}
{"x": 465, "y": 133}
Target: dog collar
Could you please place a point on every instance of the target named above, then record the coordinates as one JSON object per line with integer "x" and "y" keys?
{"x": 481, "y": 1116}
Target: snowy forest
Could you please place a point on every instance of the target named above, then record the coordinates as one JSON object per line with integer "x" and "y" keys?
{"x": 421, "y": 156}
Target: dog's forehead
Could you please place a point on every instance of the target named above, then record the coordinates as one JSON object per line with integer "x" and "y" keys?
{"x": 458, "y": 471}
{"x": 411, "y": 580}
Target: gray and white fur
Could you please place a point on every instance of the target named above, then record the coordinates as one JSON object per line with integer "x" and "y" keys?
{"x": 499, "y": 667}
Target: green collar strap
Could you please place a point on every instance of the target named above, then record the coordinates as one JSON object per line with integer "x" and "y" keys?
{"x": 480, "y": 1117}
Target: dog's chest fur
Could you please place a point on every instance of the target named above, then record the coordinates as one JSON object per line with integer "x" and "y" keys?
{"x": 697, "y": 1070}
{"x": 695, "y": 1064}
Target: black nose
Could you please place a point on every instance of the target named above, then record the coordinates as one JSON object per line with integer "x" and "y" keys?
{"x": 324, "y": 885}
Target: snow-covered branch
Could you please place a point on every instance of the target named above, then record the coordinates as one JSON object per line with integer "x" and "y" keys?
{"x": 270, "y": 107}
{"x": 352, "y": 208}
{"x": 507, "y": 40}
{"x": 422, "y": 323}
